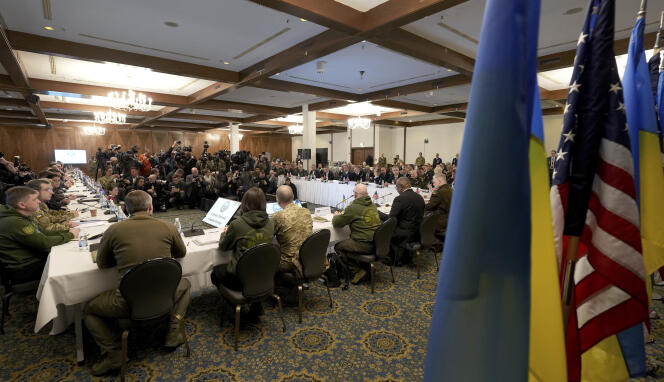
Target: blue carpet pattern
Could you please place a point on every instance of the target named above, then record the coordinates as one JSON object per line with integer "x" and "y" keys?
{"x": 362, "y": 337}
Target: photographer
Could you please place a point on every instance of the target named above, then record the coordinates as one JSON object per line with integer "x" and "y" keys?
{"x": 195, "y": 185}
{"x": 177, "y": 188}
{"x": 7, "y": 170}
{"x": 155, "y": 188}
{"x": 228, "y": 186}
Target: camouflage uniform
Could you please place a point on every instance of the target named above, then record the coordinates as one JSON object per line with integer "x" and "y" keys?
{"x": 292, "y": 226}
{"x": 107, "y": 183}
{"x": 419, "y": 161}
{"x": 52, "y": 220}
{"x": 382, "y": 162}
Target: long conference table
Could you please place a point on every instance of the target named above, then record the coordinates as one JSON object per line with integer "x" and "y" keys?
{"x": 71, "y": 278}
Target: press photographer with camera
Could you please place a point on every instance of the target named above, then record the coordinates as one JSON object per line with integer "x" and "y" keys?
{"x": 195, "y": 185}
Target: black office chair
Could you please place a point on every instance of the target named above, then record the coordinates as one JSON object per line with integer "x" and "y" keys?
{"x": 11, "y": 289}
{"x": 381, "y": 239}
{"x": 149, "y": 290}
{"x": 255, "y": 269}
{"x": 313, "y": 253}
{"x": 426, "y": 243}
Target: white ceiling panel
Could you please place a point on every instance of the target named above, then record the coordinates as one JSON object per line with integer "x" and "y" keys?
{"x": 107, "y": 74}
{"x": 94, "y": 100}
{"x": 218, "y": 113}
{"x": 208, "y": 32}
{"x": 270, "y": 97}
{"x": 459, "y": 27}
{"x": 382, "y": 68}
{"x": 361, "y": 109}
{"x": 446, "y": 96}
{"x": 418, "y": 118}
{"x": 361, "y": 5}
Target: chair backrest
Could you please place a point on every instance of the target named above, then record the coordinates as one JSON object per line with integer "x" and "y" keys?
{"x": 427, "y": 230}
{"x": 149, "y": 288}
{"x": 256, "y": 269}
{"x": 313, "y": 252}
{"x": 383, "y": 236}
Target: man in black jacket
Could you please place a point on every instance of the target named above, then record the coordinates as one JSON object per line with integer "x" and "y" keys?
{"x": 408, "y": 209}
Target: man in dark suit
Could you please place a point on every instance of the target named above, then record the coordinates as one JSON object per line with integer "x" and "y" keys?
{"x": 551, "y": 162}
{"x": 436, "y": 161}
{"x": 408, "y": 209}
{"x": 455, "y": 160}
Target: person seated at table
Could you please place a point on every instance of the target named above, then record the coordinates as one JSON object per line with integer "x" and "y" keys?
{"x": 58, "y": 200}
{"x": 326, "y": 174}
{"x": 408, "y": 209}
{"x": 344, "y": 174}
{"x": 130, "y": 178}
{"x": 319, "y": 171}
{"x": 375, "y": 176}
{"x": 124, "y": 245}
{"x": 313, "y": 172}
{"x": 356, "y": 175}
{"x": 251, "y": 228}
{"x": 363, "y": 219}
{"x": 50, "y": 220}
{"x": 290, "y": 184}
{"x": 439, "y": 203}
{"x": 108, "y": 180}
{"x": 392, "y": 177}
{"x": 24, "y": 247}
{"x": 292, "y": 225}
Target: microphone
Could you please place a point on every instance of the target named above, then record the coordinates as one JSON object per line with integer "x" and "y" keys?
{"x": 382, "y": 197}
{"x": 344, "y": 201}
{"x": 193, "y": 232}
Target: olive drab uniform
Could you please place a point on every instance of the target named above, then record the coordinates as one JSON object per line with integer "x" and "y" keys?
{"x": 382, "y": 162}
{"x": 251, "y": 229}
{"x": 292, "y": 226}
{"x": 52, "y": 220}
{"x": 439, "y": 204}
{"x": 24, "y": 247}
{"x": 362, "y": 217}
{"x": 124, "y": 245}
{"x": 419, "y": 161}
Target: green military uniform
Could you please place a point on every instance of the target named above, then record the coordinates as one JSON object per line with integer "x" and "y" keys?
{"x": 249, "y": 230}
{"x": 362, "y": 217}
{"x": 52, "y": 220}
{"x": 420, "y": 181}
{"x": 419, "y": 161}
{"x": 24, "y": 247}
{"x": 126, "y": 244}
{"x": 107, "y": 182}
{"x": 440, "y": 205}
{"x": 382, "y": 162}
{"x": 292, "y": 226}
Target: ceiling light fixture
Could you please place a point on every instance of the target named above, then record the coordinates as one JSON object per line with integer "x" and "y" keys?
{"x": 129, "y": 101}
{"x": 320, "y": 67}
{"x": 359, "y": 123}
{"x": 295, "y": 129}
{"x": 303, "y": 19}
{"x": 48, "y": 28}
{"x": 171, "y": 24}
{"x": 226, "y": 63}
{"x": 110, "y": 116}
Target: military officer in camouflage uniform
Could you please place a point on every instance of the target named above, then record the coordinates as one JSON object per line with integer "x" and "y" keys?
{"x": 23, "y": 246}
{"x": 292, "y": 226}
{"x": 440, "y": 202}
{"x": 382, "y": 161}
{"x": 50, "y": 220}
{"x": 419, "y": 161}
{"x": 124, "y": 245}
{"x": 362, "y": 217}
{"x": 108, "y": 181}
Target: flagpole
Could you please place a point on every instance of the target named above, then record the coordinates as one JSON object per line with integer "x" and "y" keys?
{"x": 572, "y": 254}
{"x": 658, "y": 38}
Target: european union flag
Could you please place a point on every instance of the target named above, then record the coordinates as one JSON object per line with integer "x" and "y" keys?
{"x": 480, "y": 325}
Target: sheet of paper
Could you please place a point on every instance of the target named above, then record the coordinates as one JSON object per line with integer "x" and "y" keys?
{"x": 221, "y": 212}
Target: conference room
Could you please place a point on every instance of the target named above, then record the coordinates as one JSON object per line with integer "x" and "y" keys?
{"x": 331, "y": 190}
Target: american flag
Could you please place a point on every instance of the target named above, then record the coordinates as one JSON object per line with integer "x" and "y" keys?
{"x": 593, "y": 194}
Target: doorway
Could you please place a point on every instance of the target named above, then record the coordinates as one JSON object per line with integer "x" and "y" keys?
{"x": 359, "y": 155}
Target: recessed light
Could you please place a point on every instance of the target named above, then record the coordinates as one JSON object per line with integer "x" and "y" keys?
{"x": 226, "y": 63}
{"x": 171, "y": 24}
{"x": 278, "y": 74}
{"x": 572, "y": 11}
{"x": 303, "y": 19}
{"x": 359, "y": 89}
{"x": 49, "y": 28}
{"x": 449, "y": 70}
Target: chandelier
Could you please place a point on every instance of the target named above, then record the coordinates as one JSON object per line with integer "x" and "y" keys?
{"x": 129, "y": 101}
{"x": 94, "y": 130}
{"x": 110, "y": 116}
{"x": 295, "y": 129}
{"x": 359, "y": 123}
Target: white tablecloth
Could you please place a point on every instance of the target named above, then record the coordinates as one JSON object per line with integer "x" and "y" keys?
{"x": 70, "y": 277}
{"x": 332, "y": 193}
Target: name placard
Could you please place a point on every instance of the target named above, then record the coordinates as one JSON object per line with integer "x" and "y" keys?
{"x": 221, "y": 212}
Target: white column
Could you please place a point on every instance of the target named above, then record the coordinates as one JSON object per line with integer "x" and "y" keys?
{"x": 235, "y": 138}
{"x": 376, "y": 144}
{"x": 309, "y": 134}
{"x": 349, "y": 145}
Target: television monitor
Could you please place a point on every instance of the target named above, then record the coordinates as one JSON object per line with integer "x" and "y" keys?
{"x": 71, "y": 156}
{"x": 271, "y": 208}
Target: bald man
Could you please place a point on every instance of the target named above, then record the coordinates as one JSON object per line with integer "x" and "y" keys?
{"x": 362, "y": 217}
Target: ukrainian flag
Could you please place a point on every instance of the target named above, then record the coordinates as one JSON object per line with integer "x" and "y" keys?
{"x": 644, "y": 139}
{"x": 498, "y": 309}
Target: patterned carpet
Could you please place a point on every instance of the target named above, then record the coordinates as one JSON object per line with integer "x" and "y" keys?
{"x": 363, "y": 337}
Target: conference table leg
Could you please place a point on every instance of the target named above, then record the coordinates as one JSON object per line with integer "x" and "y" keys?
{"x": 78, "y": 329}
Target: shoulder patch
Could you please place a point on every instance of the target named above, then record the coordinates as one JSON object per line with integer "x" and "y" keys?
{"x": 28, "y": 229}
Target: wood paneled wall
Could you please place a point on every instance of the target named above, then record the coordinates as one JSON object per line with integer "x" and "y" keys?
{"x": 36, "y": 145}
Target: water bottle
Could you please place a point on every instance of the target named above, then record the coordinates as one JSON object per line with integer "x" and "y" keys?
{"x": 121, "y": 214}
{"x": 85, "y": 242}
{"x": 80, "y": 242}
{"x": 178, "y": 226}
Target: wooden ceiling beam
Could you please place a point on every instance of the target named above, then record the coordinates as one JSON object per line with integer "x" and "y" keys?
{"x": 436, "y": 122}
{"x": 287, "y": 86}
{"x": 256, "y": 128}
{"x": 90, "y": 108}
{"x": 554, "y": 94}
{"x": 390, "y": 122}
{"x": 13, "y": 102}
{"x": 402, "y": 105}
{"x": 184, "y": 124}
{"x": 204, "y": 117}
{"x": 13, "y": 68}
{"x": 418, "y": 87}
{"x": 16, "y": 114}
{"x": 244, "y": 107}
{"x": 412, "y": 45}
{"x": 21, "y": 121}
{"x": 63, "y": 48}
{"x": 450, "y": 108}
{"x": 328, "y": 13}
